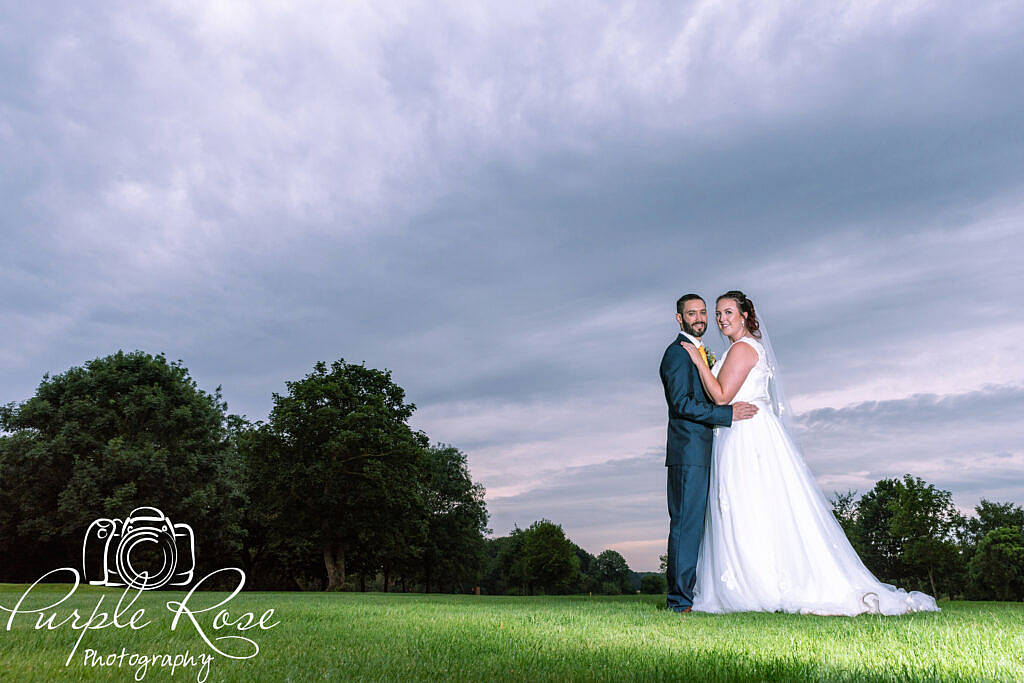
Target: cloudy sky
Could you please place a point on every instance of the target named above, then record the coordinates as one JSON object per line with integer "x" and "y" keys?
{"x": 501, "y": 204}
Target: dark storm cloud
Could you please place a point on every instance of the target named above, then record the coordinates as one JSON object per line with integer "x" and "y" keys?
{"x": 501, "y": 206}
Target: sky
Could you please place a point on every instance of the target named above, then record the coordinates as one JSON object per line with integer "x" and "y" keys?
{"x": 501, "y": 204}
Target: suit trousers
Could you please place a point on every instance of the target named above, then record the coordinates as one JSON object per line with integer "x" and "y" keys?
{"x": 687, "y": 502}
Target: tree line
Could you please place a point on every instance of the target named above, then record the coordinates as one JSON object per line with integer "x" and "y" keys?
{"x": 334, "y": 490}
{"x": 541, "y": 560}
{"x": 909, "y": 533}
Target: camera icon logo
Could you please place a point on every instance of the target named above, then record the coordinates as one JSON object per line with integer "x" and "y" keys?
{"x": 144, "y": 551}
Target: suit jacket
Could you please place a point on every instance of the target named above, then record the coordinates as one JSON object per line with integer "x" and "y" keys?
{"x": 691, "y": 414}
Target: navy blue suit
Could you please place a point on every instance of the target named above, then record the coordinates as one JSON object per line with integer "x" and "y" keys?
{"x": 691, "y": 417}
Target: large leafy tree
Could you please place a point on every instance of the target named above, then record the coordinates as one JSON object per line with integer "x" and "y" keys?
{"x": 611, "y": 569}
{"x": 907, "y": 532}
{"x": 389, "y": 518}
{"x": 547, "y": 561}
{"x": 276, "y": 554}
{"x": 507, "y": 571}
{"x": 844, "y": 507}
{"x": 502, "y": 553}
{"x": 997, "y": 568}
{"x": 586, "y": 581}
{"x": 125, "y": 431}
{"x": 336, "y": 445}
{"x": 456, "y": 519}
{"x": 927, "y": 525}
{"x": 992, "y": 516}
{"x": 653, "y": 584}
{"x": 872, "y": 535}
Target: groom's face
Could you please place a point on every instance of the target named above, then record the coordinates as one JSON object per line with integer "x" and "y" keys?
{"x": 694, "y": 318}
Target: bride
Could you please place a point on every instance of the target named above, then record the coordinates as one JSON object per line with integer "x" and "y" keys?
{"x": 771, "y": 542}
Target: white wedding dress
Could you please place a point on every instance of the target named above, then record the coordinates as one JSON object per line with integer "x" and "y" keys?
{"x": 771, "y": 542}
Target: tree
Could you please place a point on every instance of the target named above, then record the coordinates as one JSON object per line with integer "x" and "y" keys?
{"x": 456, "y": 518}
{"x": 277, "y": 553}
{"x": 586, "y": 581}
{"x": 612, "y": 571}
{"x": 125, "y": 431}
{"x": 873, "y": 539}
{"x": 337, "y": 441}
{"x": 502, "y": 554}
{"x": 991, "y": 516}
{"x": 389, "y": 519}
{"x": 546, "y": 562}
{"x": 907, "y": 532}
{"x": 997, "y": 568}
{"x": 926, "y": 523}
{"x": 844, "y": 507}
{"x": 653, "y": 584}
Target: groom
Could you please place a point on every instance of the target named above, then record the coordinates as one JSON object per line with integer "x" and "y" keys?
{"x": 691, "y": 416}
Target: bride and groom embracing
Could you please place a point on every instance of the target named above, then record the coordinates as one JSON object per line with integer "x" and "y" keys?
{"x": 750, "y": 531}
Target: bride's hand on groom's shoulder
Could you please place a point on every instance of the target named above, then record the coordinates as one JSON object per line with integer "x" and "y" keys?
{"x": 692, "y": 350}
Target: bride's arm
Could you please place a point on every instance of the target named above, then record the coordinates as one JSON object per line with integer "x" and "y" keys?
{"x": 738, "y": 362}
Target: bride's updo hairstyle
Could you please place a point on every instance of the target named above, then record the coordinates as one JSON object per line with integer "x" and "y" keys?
{"x": 745, "y": 306}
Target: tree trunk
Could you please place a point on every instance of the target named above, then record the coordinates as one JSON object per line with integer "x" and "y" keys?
{"x": 403, "y": 583}
{"x": 387, "y": 577}
{"x": 362, "y": 582}
{"x": 935, "y": 593}
{"x": 334, "y": 561}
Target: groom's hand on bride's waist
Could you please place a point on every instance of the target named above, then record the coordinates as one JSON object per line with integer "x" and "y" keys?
{"x": 743, "y": 411}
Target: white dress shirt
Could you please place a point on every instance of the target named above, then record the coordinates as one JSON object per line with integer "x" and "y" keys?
{"x": 696, "y": 342}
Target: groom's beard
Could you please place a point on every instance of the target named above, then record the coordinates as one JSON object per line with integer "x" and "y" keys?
{"x": 696, "y": 330}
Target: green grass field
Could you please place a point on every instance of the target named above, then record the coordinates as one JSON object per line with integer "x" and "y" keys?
{"x": 377, "y": 636}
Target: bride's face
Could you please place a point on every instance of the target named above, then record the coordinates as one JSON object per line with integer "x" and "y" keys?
{"x": 730, "y": 321}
